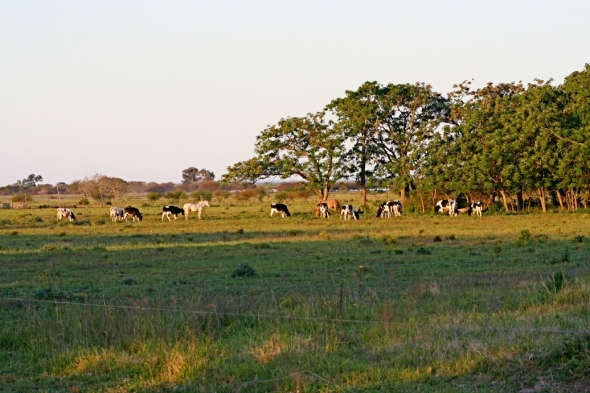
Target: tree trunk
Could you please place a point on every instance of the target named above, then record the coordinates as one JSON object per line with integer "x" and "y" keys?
{"x": 519, "y": 200}
{"x": 403, "y": 196}
{"x": 504, "y": 199}
{"x": 560, "y": 199}
{"x": 542, "y": 199}
{"x": 325, "y": 193}
{"x": 363, "y": 190}
{"x": 422, "y": 203}
{"x": 491, "y": 199}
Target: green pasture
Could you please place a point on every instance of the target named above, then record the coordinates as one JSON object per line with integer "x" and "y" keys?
{"x": 240, "y": 302}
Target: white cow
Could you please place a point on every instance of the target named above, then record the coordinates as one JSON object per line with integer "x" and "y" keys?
{"x": 116, "y": 213}
{"x": 194, "y": 207}
{"x": 65, "y": 212}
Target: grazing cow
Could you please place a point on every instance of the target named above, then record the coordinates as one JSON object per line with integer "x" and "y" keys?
{"x": 67, "y": 213}
{"x": 446, "y": 206}
{"x": 386, "y": 209}
{"x": 171, "y": 210}
{"x": 324, "y": 210}
{"x": 194, "y": 207}
{"x": 279, "y": 208}
{"x": 116, "y": 213}
{"x": 332, "y": 204}
{"x": 133, "y": 212}
{"x": 348, "y": 210}
{"x": 476, "y": 207}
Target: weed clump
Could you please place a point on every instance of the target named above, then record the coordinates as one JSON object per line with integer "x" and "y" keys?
{"x": 542, "y": 238}
{"x": 579, "y": 239}
{"x": 35, "y": 219}
{"x": 423, "y": 251}
{"x": 244, "y": 270}
{"x": 437, "y": 239}
{"x": 525, "y": 237}
{"x": 51, "y": 294}
{"x": 100, "y": 222}
{"x": 240, "y": 231}
{"x": 572, "y": 357}
{"x": 129, "y": 281}
{"x": 389, "y": 240}
{"x": 54, "y": 247}
{"x": 497, "y": 249}
{"x": 555, "y": 283}
{"x": 81, "y": 223}
{"x": 565, "y": 257}
{"x": 5, "y": 222}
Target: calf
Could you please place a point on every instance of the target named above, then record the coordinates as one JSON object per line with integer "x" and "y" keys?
{"x": 133, "y": 212}
{"x": 279, "y": 208}
{"x": 324, "y": 210}
{"x": 171, "y": 210}
{"x": 116, "y": 213}
{"x": 67, "y": 213}
{"x": 348, "y": 210}
{"x": 446, "y": 206}
{"x": 476, "y": 207}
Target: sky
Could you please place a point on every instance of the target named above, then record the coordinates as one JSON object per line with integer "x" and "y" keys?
{"x": 144, "y": 89}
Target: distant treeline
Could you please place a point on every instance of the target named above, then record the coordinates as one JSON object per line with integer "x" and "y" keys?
{"x": 508, "y": 142}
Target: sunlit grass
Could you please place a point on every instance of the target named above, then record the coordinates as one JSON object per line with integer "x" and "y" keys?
{"x": 445, "y": 304}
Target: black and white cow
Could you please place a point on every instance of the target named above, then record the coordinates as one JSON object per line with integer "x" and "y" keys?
{"x": 447, "y": 206}
{"x": 477, "y": 208}
{"x": 324, "y": 210}
{"x": 133, "y": 212}
{"x": 348, "y": 210}
{"x": 116, "y": 213}
{"x": 63, "y": 212}
{"x": 279, "y": 208}
{"x": 386, "y": 209}
{"x": 171, "y": 210}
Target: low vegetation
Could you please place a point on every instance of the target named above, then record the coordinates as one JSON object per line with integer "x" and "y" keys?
{"x": 238, "y": 301}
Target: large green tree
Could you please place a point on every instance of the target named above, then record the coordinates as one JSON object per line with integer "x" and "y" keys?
{"x": 408, "y": 116}
{"x": 309, "y": 147}
{"x": 477, "y": 153}
{"x": 359, "y": 115}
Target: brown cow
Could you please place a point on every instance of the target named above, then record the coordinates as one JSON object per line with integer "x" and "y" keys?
{"x": 332, "y": 204}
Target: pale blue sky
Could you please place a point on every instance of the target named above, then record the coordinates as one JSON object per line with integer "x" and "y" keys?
{"x": 143, "y": 89}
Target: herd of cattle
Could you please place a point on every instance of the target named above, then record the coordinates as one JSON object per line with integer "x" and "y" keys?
{"x": 322, "y": 209}
{"x": 116, "y": 213}
{"x": 385, "y": 209}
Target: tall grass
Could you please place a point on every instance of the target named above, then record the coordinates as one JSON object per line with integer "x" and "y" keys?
{"x": 417, "y": 302}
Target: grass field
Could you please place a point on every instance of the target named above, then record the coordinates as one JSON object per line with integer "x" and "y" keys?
{"x": 240, "y": 302}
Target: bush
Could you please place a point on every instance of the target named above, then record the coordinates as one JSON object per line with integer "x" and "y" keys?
{"x": 244, "y": 270}
{"x": 423, "y": 251}
{"x": 202, "y": 195}
{"x": 153, "y": 196}
{"x": 21, "y": 198}
{"x": 84, "y": 202}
